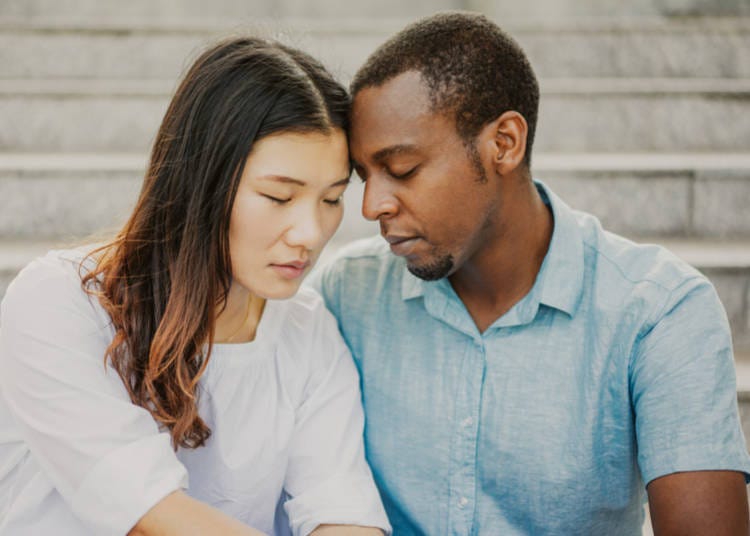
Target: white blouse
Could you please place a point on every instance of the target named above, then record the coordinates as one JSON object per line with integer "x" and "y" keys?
{"x": 77, "y": 457}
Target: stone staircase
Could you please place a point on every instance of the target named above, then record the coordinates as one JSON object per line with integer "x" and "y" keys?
{"x": 644, "y": 118}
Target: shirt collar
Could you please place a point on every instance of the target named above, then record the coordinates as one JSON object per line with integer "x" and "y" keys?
{"x": 560, "y": 278}
{"x": 559, "y": 283}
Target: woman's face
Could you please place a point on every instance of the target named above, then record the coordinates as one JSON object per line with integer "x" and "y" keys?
{"x": 288, "y": 205}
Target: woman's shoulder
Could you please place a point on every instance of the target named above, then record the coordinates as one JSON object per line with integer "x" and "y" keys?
{"x": 53, "y": 279}
{"x": 58, "y": 263}
{"x": 307, "y": 329}
{"x": 306, "y": 312}
{"x": 307, "y": 301}
{"x": 310, "y": 347}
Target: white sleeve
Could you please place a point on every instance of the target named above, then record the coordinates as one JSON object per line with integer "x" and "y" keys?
{"x": 104, "y": 455}
{"x": 328, "y": 478}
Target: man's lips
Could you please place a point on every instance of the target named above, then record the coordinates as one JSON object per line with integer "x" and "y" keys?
{"x": 401, "y": 245}
{"x": 396, "y": 239}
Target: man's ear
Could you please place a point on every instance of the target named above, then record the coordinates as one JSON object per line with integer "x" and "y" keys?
{"x": 506, "y": 141}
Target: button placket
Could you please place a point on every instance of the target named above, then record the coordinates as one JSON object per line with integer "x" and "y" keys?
{"x": 463, "y": 477}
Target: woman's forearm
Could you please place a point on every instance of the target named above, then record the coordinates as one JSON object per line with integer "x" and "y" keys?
{"x": 345, "y": 530}
{"x": 180, "y": 515}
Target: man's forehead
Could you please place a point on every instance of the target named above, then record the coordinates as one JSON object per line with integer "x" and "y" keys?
{"x": 405, "y": 95}
{"x": 395, "y": 117}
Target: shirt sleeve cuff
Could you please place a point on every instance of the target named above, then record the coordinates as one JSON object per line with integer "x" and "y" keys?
{"x": 681, "y": 461}
{"x": 340, "y": 500}
{"x": 127, "y": 483}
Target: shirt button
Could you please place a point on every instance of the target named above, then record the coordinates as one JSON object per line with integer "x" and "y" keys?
{"x": 468, "y": 421}
{"x": 462, "y": 502}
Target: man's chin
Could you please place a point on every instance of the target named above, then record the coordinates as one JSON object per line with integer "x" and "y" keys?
{"x": 431, "y": 270}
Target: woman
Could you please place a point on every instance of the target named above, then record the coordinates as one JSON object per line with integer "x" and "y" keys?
{"x": 182, "y": 348}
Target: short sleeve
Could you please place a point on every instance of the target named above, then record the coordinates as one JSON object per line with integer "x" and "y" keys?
{"x": 683, "y": 388}
{"x": 325, "y": 281}
{"x": 104, "y": 455}
{"x": 328, "y": 479}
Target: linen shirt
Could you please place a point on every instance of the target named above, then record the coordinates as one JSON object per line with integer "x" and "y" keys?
{"x": 614, "y": 369}
{"x": 78, "y": 458}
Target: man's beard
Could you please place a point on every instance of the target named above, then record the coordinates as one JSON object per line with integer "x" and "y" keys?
{"x": 437, "y": 269}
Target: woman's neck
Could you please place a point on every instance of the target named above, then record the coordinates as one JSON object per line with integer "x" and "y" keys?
{"x": 238, "y": 321}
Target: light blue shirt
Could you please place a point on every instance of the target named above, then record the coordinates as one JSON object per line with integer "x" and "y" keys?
{"x": 616, "y": 368}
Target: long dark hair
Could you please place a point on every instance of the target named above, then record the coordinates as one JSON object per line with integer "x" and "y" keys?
{"x": 164, "y": 274}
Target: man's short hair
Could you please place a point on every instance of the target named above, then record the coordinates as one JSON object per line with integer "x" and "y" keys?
{"x": 471, "y": 67}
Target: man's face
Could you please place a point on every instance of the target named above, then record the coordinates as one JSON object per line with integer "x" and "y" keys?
{"x": 427, "y": 189}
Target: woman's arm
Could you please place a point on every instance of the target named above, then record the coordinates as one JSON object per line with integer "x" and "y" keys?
{"x": 330, "y": 485}
{"x": 179, "y": 514}
{"x": 345, "y": 530}
{"x": 105, "y": 456}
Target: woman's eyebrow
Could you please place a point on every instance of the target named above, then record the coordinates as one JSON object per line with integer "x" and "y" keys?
{"x": 342, "y": 182}
{"x": 291, "y": 180}
{"x": 284, "y": 179}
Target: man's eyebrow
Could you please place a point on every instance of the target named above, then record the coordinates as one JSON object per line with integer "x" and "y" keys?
{"x": 387, "y": 152}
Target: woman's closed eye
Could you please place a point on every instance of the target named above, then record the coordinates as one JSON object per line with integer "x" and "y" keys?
{"x": 334, "y": 202}
{"x": 277, "y": 200}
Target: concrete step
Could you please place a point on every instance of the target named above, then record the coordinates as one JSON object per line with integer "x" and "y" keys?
{"x": 192, "y": 9}
{"x": 600, "y": 115}
{"x": 632, "y": 8}
{"x": 164, "y": 10}
{"x": 147, "y": 47}
{"x": 677, "y": 195}
{"x": 643, "y": 115}
{"x": 66, "y": 196}
{"x": 698, "y": 195}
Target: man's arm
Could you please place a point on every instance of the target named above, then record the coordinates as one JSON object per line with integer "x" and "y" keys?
{"x": 698, "y": 503}
{"x": 691, "y": 450}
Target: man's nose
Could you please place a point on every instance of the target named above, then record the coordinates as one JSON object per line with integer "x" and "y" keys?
{"x": 378, "y": 200}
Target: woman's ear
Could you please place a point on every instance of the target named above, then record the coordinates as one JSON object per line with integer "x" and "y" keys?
{"x": 507, "y": 138}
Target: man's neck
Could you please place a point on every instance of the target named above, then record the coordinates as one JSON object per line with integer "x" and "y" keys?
{"x": 504, "y": 270}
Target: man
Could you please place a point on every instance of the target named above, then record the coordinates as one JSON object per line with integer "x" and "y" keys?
{"x": 523, "y": 370}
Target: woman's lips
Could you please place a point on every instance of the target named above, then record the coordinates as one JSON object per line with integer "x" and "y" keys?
{"x": 291, "y": 270}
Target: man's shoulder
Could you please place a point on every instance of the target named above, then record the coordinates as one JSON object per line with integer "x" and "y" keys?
{"x": 361, "y": 260}
{"x": 372, "y": 248}
{"x": 356, "y": 273}
{"x": 639, "y": 282}
{"x": 631, "y": 263}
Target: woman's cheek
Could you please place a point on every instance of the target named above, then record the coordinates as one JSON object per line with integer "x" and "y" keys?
{"x": 335, "y": 220}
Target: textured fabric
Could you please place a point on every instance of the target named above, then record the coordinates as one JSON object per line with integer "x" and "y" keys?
{"x": 77, "y": 457}
{"x": 614, "y": 369}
